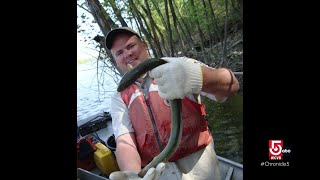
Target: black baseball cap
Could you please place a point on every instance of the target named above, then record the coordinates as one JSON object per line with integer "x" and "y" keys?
{"x": 111, "y": 34}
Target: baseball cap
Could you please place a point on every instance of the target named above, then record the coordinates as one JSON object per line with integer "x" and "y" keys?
{"x": 111, "y": 34}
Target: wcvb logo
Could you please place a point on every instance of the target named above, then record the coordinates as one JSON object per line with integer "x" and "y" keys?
{"x": 276, "y": 150}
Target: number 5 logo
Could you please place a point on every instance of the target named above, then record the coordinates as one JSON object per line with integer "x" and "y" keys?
{"x": 275, "y": 147}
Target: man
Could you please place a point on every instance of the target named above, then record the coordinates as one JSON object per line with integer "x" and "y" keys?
{"x": 141, "y": 113}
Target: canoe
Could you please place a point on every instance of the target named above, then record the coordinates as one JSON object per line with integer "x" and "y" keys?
{"x": 230, "y": 169}
{"x": 101, "y": 126}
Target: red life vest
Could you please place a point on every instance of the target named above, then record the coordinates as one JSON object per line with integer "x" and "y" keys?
{"x": 195, "y": 134}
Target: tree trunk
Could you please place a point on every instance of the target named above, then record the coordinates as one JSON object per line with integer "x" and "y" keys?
{"x": 208, "y": 24}
{"x": 164, "y": 41}
{"x": 214, "y": 20}
{"x": 174, "y": 17}
{"x": 117, "y": 12}
{"x": 225, "y": 36}
{"x": 152, "y": 25}
{"x": 149, "y": 35}
{"x": 189, "y": 36}
{"x": 199, "y": 28}
{"x": 105, "y": 23}
{"x": 160, "y": 14}
{"x": 145, "y": 32}
{"x": 169, "y": 28}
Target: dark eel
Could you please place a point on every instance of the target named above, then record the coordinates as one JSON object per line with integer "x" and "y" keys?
{"x": 176, "y": 121}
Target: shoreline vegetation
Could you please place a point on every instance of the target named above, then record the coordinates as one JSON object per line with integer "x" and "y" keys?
{"x": 85, "y": 60}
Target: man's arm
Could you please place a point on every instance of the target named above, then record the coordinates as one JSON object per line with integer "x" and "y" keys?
{"x": 129, "y": 161}
{"x": 184, "y": 76}
{"x": 221, "y": 82}
{"x": 127, "y": 154}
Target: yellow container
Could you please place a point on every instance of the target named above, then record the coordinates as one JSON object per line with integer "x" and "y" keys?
{"x": 104, "y": 159}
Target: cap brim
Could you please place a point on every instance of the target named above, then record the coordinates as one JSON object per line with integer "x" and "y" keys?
{"x": 112, "y": 34}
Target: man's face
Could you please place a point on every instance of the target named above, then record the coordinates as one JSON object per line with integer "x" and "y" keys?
{"x": 128, "y": 49}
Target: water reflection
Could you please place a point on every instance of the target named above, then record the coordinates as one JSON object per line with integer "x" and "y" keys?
{"x": 226, "y": 124}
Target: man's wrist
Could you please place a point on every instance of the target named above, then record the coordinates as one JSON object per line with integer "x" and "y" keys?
{"x": 195, "y": 77}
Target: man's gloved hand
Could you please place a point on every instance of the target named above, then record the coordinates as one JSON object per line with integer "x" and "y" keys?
{"x": 152, "y": 174}
{"x": 177, "y": 78}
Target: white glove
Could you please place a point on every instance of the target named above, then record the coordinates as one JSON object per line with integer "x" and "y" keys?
{"x": 177, "y": 78}
{"x": 152, "y": 174}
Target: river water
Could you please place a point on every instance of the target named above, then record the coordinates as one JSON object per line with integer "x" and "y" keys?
{"x": 92, "y": 97}
{"x": 225, "y": 119}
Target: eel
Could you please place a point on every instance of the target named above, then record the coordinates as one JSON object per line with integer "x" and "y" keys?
{"x": 176, "y": 119}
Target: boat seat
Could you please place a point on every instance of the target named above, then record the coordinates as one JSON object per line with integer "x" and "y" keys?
{"x": 229, "y": 174}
